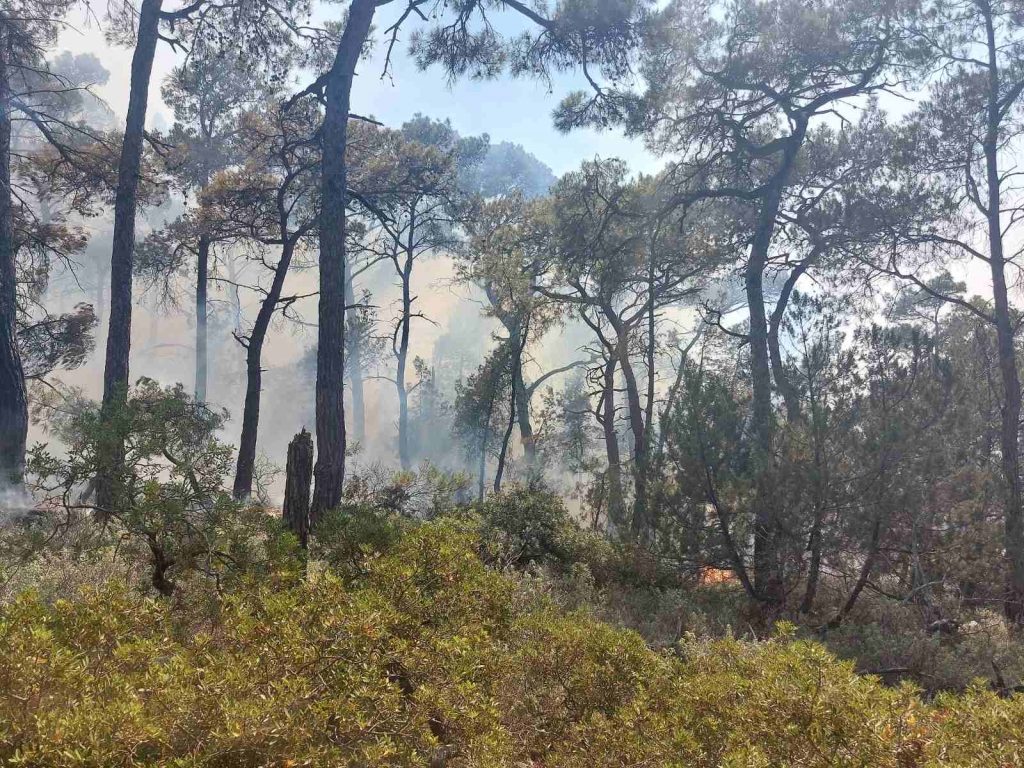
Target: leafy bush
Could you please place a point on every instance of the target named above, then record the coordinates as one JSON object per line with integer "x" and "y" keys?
{"x": 430, "y": 658}
{"x": 522, "y": 525}
{"x": 171, "y": 511}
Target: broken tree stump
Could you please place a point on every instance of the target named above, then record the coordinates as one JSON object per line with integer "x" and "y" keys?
{"x": 298, "y": 476}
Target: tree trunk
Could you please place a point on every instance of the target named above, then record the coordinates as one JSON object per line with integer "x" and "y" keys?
{"x": 402, "y": 353}
{"x": 330, "y": 355}
{"x": 115, "y": 371}
{"x": 768, "y": 579}
{"x": 640, "y": 523}
{"x": 499, "y": 472}
{"x": 202, "y": 282}
{"x": 814, "y": 541}
{"x": 355, "y": 362}
{"x": 526, "y": 436}
{"x": 768, "y": 566}
{"x": 786, "y": 388}
{"x": 298, "y": 474}
{"x": 862, "y": 578}
{"x": 13, "y": 399}
{"x": 651, "y": 351}
{"x": 511, "y": 325}
{"x": 616, "y": 497}
{"x": 1009, "y": 374}
{"x": 519, "y": 343}
{"x": 246, "y": 462}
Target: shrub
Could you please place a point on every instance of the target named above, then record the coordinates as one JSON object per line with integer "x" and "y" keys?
{"x": 430, "y": 658}
{"x": 171, "y": 510}
{"x": 522, "y": 525}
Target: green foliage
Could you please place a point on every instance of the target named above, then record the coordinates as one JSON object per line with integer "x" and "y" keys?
{"x": 172, "y": 511}
{"x": 348, "y": 536}
{"x": 523, "y": 526}
{"x": 431, "y": 658}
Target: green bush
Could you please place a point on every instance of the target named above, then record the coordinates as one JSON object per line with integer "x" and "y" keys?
{"x": 521, "y": 526}
{"x": 431, "y": 658}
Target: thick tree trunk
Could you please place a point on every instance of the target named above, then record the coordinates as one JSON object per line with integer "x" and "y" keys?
{"x": 246, "y": 462}
{"x": 355, "y": 363}
{"x": 1005, "y": 338}
{"x": 768, "y": 578}
{"x": 330, "y": 356}
{"x": 298, "y": 475}
{"x": 616, "y": 497}
{"x": 13, "y": 399}
{"x": 202, "y": 283}
{"x": 115, "y": 371}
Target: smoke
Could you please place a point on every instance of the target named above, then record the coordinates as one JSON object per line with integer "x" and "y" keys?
{"x": 15, "y": 504}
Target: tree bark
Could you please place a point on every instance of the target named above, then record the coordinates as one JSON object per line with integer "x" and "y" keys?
{"x": 523, "y": 419}
{"x": 402, "y": 350}
{"x": 13, "y": 398}
{"x": 330, "y": 368}
{"x": 640, "y": 524}
{"x": 1009, "y": 374}
{"x": 650, "y": 361}
{"x": 769, "y": 579}
{"x": 616, "y": 497}
{"x": 246, "y": 462}
{"x": 115, "y": 371}
{"x": 355, "y": 363}
{"x": 499, "y": 472}
{"x": 202, "y": 284}
{"x": 786, "y": 388}
{"x": 298, "y": 475}
{"x": 511, "y": 325}
{"x": 819, "y": 483}
{"x": 519, "y": 342}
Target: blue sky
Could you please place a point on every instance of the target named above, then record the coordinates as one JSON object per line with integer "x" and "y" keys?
{"x": 506, "y": 109}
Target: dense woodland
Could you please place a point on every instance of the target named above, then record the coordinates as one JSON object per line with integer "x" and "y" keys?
{"x": 699, "y": 424}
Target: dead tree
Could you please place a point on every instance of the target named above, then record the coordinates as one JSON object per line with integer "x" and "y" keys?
{"x": 298, "y": 476}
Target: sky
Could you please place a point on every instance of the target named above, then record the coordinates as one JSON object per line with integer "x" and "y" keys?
{"x": 506, "y": 109}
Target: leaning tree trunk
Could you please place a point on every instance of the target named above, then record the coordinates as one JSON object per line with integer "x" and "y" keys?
{"x": 202, "y": 315}
{"x": 13, "y": 400}
{"x": 330, "y": 355}
{"x": 786, "y": 387}
{"x": 115, "y": 371}
{"x": 246, "y": 463}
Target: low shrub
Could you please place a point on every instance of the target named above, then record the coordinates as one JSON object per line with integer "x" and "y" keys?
{"x": 429, "y": 657}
